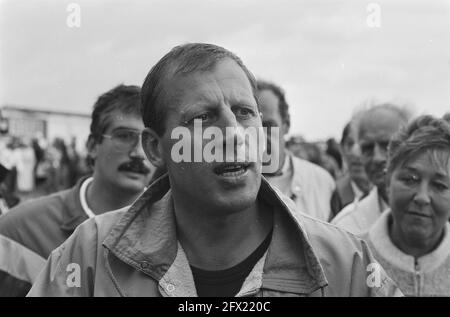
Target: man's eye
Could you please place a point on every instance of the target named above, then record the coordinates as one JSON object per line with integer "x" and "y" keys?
{"x": 244, "y": 112}
{"x": 203, "y": 117}
{"x": 384, "y": 145}
{"x": 367, "y": 148}
{"x": 124, "y": 136}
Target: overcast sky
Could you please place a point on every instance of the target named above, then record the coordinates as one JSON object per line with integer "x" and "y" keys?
{"x": 323, "y": 53}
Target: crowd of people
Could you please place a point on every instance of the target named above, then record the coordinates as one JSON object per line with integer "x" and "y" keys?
{"x": 367, "y": 215}
{"x": 34, "y": 167}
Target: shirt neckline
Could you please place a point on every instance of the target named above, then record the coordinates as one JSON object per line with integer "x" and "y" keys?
{"x": 83, "y": 198}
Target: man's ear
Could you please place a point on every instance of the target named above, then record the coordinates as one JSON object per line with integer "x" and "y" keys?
{"x": 151, "y": 143}
{"x": 285, "y": 128}
{"x": 91, "y": 146}
{"x": 387, "y": 183}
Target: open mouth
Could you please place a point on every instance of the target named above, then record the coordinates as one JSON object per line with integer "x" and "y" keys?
{"x": 231, "y": 169}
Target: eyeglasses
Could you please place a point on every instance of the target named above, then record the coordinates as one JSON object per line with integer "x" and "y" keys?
{"x": 124, "y": 140}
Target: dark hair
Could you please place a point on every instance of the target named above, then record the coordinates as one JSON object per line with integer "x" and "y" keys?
{"x": 334, "y": 152}
{"x": 283, "y": 106}
{"x": 422, "y": 134}
{"x": 346, "y": 133}
{"x": 184, "y": 59}
{"x": 126, "y": 99}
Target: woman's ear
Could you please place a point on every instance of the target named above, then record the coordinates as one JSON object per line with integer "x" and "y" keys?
{"x": 151, "y": 143}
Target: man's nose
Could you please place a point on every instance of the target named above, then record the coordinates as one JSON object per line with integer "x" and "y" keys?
{"x": 379, "y": 153}
{"x": 422, "y": 196}
{"x": 232, "y": 129}
{"x": 138, "y": 150}
{"x": 355, "y": 150}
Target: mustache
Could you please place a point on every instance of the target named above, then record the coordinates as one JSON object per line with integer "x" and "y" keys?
{"x": 135, "y": 166}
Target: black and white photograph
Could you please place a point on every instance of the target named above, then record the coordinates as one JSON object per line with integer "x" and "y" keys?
{"x": 222, "y": 149}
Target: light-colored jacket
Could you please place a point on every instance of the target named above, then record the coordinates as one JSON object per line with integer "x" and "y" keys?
{"x": 30, "y": 232}
{"x": 358, "y": 217}
{"x": 311, "y": 188}
{"x": 135, "y": 252}
{"x": 428, "y": 275}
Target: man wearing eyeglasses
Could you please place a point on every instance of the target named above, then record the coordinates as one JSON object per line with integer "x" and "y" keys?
{"x": 121, "y": 171}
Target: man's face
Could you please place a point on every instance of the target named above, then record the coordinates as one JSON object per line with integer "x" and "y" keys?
{"x": 352, "y": 156}
{"x": 269, "y": 107}
{"x": 123, "y": 167}
{"x": 220, "y": 98}
{"x": 375, "y": 133}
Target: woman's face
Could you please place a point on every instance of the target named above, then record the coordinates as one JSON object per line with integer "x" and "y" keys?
{"x": 419, "y": 195}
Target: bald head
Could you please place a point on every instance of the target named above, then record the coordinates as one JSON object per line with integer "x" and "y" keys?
{"x": 375, "y": 127}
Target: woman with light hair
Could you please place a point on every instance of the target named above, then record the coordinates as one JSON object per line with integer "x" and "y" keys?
{"x": 411, "y": 240}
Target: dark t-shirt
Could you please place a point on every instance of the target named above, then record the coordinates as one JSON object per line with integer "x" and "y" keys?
{"x": 228, "y": 282}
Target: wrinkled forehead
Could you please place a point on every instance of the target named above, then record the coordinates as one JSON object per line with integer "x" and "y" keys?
{"x": 224, "y": 78}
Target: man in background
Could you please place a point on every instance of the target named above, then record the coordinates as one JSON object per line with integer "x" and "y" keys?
{"x": 308, "y": 185}
{"x": 353, "y": 184}
{"x": 29, "y": 232}
{"x": 375, "y": 127}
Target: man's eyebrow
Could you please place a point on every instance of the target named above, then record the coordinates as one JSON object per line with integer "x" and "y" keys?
{"x": 243, "y": 101}
{"x": 124, "y": 128}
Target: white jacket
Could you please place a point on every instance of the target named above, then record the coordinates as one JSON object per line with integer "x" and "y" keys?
{"x": 428, "y": 275}
{"x": 358, "y": 217}
{"x": 311, "y": 188}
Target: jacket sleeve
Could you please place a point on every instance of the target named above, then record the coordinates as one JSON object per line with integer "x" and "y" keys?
{"x": 70, "y": 269}
{"x": 19, "y": 264}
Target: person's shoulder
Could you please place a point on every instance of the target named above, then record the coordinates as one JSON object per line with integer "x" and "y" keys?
{"x": 34, "y": 211}
{"x": 101, "y": 225}
{"x": 345, "y": 214}
{"x": 346, "y": 260}
{"x": 327, "y": 234}
{"x": 312, "y": 170}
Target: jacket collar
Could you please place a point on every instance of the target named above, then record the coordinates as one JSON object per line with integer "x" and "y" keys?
{"x": 379, "y": 236}
{"x": 145, "y": 238}
{"x": 73, "y": 213}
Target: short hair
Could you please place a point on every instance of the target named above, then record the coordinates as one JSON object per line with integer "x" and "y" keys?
{"x": 403, "y": 113}
{"x": 422, "y": 134}
{"x": 125, "y": 99}
{"x": 283, "y": 106}
{"x": 184, "y": 59}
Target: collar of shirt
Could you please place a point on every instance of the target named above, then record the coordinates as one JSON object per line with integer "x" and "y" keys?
{"x": 83, "y": 197}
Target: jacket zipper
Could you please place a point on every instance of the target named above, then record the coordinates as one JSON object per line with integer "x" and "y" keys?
{"x": 417, "y": 277}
